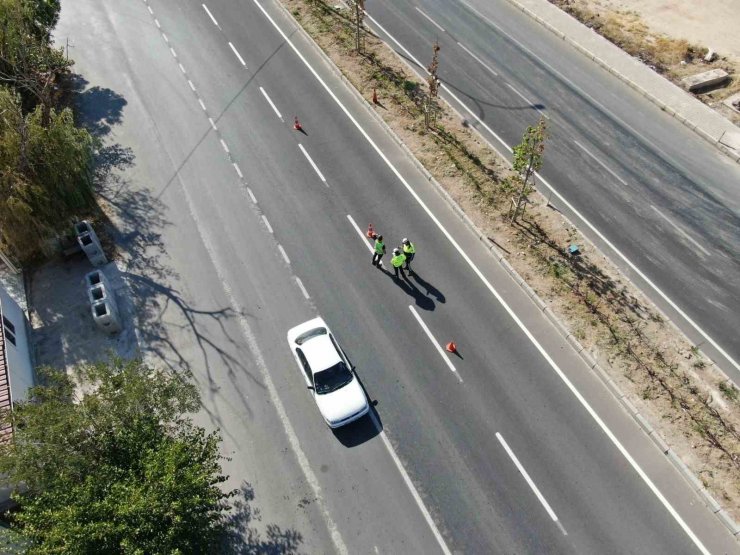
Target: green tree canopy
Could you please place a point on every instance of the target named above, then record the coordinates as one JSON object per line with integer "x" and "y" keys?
{"x": 120, "y": 468}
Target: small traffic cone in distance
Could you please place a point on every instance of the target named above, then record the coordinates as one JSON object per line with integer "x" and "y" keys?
{"x": 371, "y": 231}
{"x": 451, "y": 347}
{"x": 375, "y": 96}
{"x": 297, "y": 124}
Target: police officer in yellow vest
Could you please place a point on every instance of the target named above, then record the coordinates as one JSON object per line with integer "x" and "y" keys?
{"x": 397, "y": 262}
{"x": 409, "y": 250}
{"x": 379, "y": 251}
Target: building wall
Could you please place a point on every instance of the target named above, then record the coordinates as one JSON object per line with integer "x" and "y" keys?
{"x": 18, "y": 356}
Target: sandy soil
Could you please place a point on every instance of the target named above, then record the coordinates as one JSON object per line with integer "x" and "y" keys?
{"x": 711, "y": 23}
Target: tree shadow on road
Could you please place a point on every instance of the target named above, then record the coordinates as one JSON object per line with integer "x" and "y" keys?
{"x": 242, "y": 538}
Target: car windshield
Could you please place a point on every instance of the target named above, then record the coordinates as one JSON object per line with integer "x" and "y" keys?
{"x": 332, "y": 378}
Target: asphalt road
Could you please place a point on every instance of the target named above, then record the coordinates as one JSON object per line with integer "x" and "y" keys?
{"x": 235, "y": 228}
{"x": 651, "y": 188}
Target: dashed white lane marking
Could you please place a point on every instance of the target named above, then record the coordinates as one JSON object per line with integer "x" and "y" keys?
{"x": 359, "y": 232}
{"x": 477, "y": 59}
{"x": 172, "y": 51}
{"x": 201, "y": 104}
{"x": 581, "y": 399}
{"x": 165, "y": 38}
{"x": 681, "y": 231}
{"x": 285, "y": 254}
{"x": 264, "y": 93}
{"x": 602, "y": 164}
{"x": 235, "y": 51}
{"x": 182, "y": 68}
{"x": 437, "y": 25}
{"x": 192, "y": 87}
{"x": 302, "y": 288}
{"x": 225, "y": 146}
{"x": 156, "y": 22}
{"x": 520, "y": 95}
{"x": 435, "y": 342}
{"x": 251, "y": 195}
{"x": 409, "y": 484}
{"x": 213, "y": 124}
{"x": 267, "y": 223}
{"x": 210, "y": 14}
{"x": 150, "y": 10}
{"x": 560, "y": 197}
{"x": 314, "y": 166}
{"x": 531, "y": 483}
{"x": 238, "y": 170}
{"x": 259, "y": 361}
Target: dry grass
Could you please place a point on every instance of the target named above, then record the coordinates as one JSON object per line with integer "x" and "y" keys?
{"x": 684, "y": 397}
{"x": 673, "y": 58}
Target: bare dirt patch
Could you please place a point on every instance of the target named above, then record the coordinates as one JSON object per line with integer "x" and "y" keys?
{"x": 683, "y": 395}
{"x": 672, "y": 37}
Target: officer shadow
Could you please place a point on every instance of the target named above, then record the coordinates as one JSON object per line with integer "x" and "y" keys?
{"x": 430, "y": 289}
{"x": 422, "y": 301}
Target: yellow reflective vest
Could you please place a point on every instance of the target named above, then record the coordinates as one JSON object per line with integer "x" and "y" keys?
{"x": 398, "y": 260}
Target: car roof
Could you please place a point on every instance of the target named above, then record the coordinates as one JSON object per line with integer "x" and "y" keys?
{"x": 320, "y": 353}
{"x": 319, "y": 349}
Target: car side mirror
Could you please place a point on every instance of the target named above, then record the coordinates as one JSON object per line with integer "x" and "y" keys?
{"x": 310, "y": 387}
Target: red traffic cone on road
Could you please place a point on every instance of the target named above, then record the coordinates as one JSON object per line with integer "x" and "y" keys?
{"x": 297, "y": 124}
{"x": 375, "y": 96}
{"x": 371, "y": 231}
{"x": 451, "y": 347}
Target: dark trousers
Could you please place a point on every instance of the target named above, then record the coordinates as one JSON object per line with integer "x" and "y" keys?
{"x": 409, "y": 258}
{"x": 377, "y": 257}
{"x": 396, "y": 269}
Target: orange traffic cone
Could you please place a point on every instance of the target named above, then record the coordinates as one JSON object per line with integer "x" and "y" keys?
{"x": 297, "y": 124}
{"x": 451, "y": 347}
{"x": 371, "y": 231}
{"x": 375, "y": 96}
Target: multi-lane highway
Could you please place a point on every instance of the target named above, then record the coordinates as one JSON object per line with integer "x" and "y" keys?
{"x": 234, "y": 228}
{"x": 661, "y": 201}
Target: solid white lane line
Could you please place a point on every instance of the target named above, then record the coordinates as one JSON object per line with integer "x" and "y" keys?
{"x": 435, "y": 342}
{"x": 210, "y": 14}
{"x": 477, "y": 59}
{"x": 238, "y": 171}
{"x": 226, "y": 147}
{"x": 410, "y": 485}
{"x": 156, "y": 22}
{"x": 544, "y": 115}
{"x": 529, "y": 480}
{"x": 233, "y": 48}
{"x": 359, "y": 232}
{"x": 172, "y": 51}
{"x": 602, "y": 164}
{"x": 251, "y": 195}
{"x": 302, "y": 287}
{"x": 315, "y": 167}
{"x": 285, "y": 254}
{"x": 437, "y": 25}
{"x": 264, "y": 93}
{"x": 201, "y": 104}
{"x": 165, "y": 38}
{"x": 182, "y": 68}
{"x": 581, "y": 399}
{"x": 192, "y": 87}
{"x": 272, "y": 391}
{"x": 681, "y": 231}
{"x": 213, "y": 124}
{"x": 560, "y": 197}
{"x": 267, "y": 224}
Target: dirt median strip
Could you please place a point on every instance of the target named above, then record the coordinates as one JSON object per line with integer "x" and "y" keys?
{"x": 672, "y": 386}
